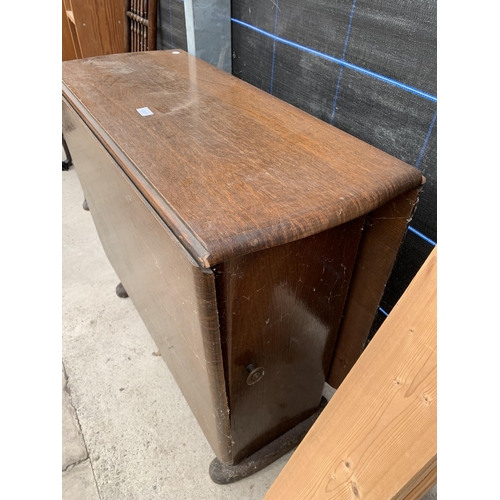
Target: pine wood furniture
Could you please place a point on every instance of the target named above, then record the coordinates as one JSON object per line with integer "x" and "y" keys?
{"x": 251, "y": 237}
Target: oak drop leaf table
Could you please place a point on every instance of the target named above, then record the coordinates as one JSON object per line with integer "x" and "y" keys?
{"x": 254, "y": 240}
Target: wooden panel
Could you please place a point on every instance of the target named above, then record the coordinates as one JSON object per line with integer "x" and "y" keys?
{"x": 280, "y": 310}
{"x": 152, "y": 12}
{"x": 382, "y": 237}
{"x": 240, "y": 169}
{"x": 100, "y": 26}
{"x": 376, "y": 439}
{"x": 424, "y": 481}
{"x": 68, "y": 49}
{"x": 173, "y": 295}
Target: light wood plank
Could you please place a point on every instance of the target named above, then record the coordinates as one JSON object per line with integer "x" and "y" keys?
{"x": 376, "y": 439}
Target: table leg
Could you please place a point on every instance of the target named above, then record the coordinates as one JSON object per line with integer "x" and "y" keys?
{"x": 68, "y": 161}
{"x": 121, "y": 292}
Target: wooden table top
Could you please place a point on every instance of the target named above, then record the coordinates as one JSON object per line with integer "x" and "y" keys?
{"x": 228, "y": 167}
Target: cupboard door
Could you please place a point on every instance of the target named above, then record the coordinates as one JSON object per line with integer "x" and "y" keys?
{"x": 280, "y": 310}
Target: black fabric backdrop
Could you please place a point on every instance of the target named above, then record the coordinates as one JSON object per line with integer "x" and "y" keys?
{"x": 171, "y": 25}
{"x": 367, "y": 67}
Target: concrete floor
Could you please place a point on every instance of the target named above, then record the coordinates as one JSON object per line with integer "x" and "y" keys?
{"x": 127, "y": 431}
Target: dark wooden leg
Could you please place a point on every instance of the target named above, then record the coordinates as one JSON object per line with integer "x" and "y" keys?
{"x": 121, "y": 292}
{"x": 85, "y": 205}
{"x": 68, "y": 162}
{"x": 225, "y": 474}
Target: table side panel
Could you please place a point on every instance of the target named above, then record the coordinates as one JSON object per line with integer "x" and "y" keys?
{"x": 382, "y": 237}
{"x": 175, "y": 298}
{"x": 280, "y": 309}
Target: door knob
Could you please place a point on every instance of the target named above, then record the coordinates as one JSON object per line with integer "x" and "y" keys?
{"x": 255, "y": 374}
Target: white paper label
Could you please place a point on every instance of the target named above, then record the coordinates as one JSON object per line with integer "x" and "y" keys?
{"x": 145, "y": 112}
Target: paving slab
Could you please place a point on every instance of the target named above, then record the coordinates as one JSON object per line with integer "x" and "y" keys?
{"x": 431, "y": 494}
{"x": 73, "y": 446}
{"x": 78, "y": 483}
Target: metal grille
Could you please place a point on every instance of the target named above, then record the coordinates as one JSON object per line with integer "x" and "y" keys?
{"x": 142, "y": 23}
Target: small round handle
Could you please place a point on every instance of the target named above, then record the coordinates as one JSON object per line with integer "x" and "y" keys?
{"x": 255, "y": 374}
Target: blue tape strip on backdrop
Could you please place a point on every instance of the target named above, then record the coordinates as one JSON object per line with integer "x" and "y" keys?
{"x": 343, "y": 59}
{"x": 418, "y": 233}
{"x": 274, "y": 48}
{"x": 345, "y": 64}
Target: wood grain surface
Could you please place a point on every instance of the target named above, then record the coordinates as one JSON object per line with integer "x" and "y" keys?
{"x": 228, "y": 167}
{"x": 376, "y": 439}
{"x": 68, "y": 48}
{"x": 383, "y": 234}
{"x": 280, "y": 309}
{"x": 100, "y": 26}
{"x": 174, "y": 296}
